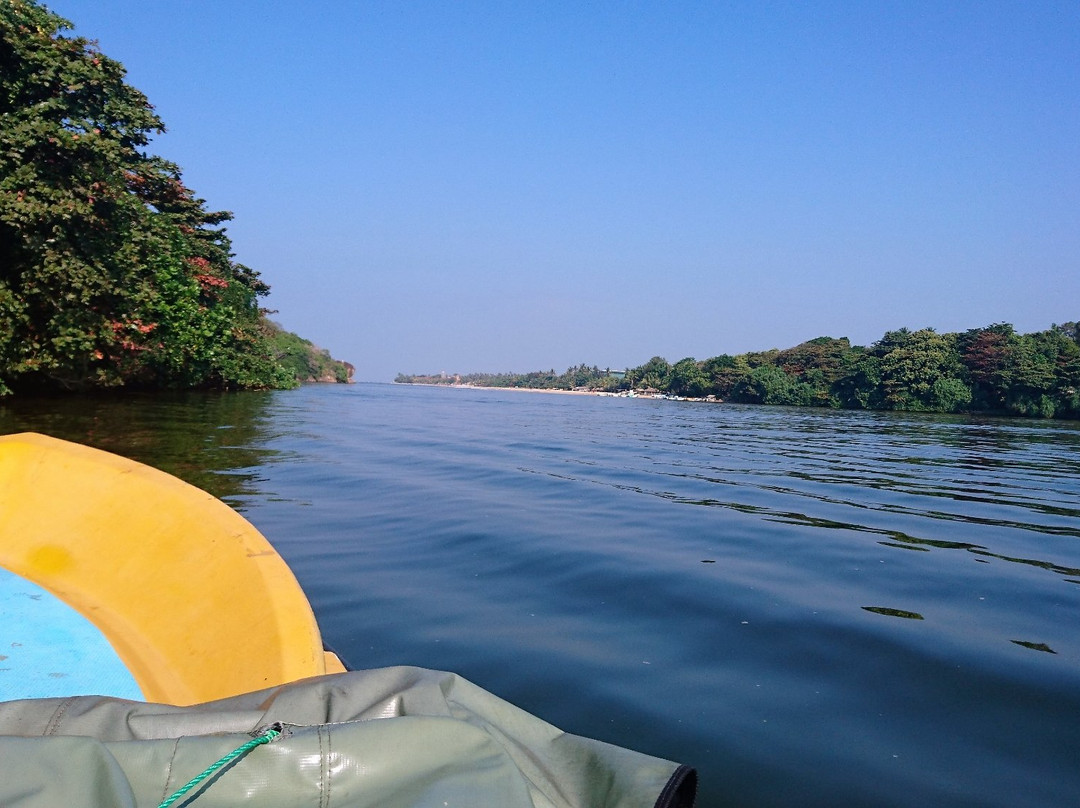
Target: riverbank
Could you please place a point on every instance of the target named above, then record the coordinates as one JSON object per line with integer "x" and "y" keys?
{"x": 604, "y": 393}
{"x": 515, "y": 389}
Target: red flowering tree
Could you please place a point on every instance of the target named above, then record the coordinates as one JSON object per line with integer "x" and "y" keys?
{"x": 112, "y": 272}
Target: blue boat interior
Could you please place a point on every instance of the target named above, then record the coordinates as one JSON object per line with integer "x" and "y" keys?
{"x": 47, "y": 649}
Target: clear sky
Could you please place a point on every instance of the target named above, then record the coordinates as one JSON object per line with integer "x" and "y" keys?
{"x": 490, "y": 186}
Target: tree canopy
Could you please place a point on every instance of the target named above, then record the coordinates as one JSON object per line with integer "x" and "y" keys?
{"x": 112, "y": 272}
{"x": 991, "y": 369}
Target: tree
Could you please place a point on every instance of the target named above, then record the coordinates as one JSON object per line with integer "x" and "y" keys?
{"x": 988, "y": 355}
{"x": 819, "y": 364}
{"x": 767, "y": 384}
{"x": 991, "y": 368}
{"x": 724, "y": 373}
{"x": 688, "y": 379}
{"x": 1069, "y": 330}
{"x": 859, "y": 383}
{"x": 111, "y": 271}
{"x": 1034, "y": 374}
{"x": 912, "y": 364}
{"x": 653, "y": 374}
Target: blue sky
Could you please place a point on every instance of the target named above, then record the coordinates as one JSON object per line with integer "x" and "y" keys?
{"x": 489, "y": 186}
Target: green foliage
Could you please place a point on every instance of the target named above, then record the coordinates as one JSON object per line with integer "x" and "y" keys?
{"x": 578, "y": 377}
{"x": 112, "y": 273}
{"x": 765, "y": 384}
{"x": 305, "y": 361}
{"x": 949, "y": 395}
{"x": 990, "y": 369}
{"x": 912, "y": 365}
{"x": 818, "y": 364}
{"x": 687, "y": 378}
{"x": 654, "y": 374}
{"x": 724, "y": 374}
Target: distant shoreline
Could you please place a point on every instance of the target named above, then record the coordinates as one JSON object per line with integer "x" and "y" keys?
{"x": 512, "y": 389}
{"x": 652, "y": 395}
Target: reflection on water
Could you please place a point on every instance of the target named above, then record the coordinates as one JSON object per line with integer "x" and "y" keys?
{"x": 874, "y": 470}
{"x": 212, "y": 440}
{"x": 814, "y": 607}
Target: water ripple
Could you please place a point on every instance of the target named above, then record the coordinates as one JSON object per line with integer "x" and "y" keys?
{"x": 814, "y": 607}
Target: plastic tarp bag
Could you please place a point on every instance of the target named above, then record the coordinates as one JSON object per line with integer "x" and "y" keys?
{"x": 389, "y": 738}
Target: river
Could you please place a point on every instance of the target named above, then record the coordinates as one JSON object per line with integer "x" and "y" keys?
{"x": 815, "y": 608}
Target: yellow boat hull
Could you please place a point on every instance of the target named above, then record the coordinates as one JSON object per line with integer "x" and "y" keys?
{"x": 194, "y": 600}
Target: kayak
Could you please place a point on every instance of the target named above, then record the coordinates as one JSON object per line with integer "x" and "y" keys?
{"x": 149, "y": 633}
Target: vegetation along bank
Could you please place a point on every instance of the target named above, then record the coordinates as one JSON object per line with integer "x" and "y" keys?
{"x": 112, "y": 272}
{"x": 991, "y": 370}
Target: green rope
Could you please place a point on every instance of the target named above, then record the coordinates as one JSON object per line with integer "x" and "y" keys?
{"x": 210, "y": 770}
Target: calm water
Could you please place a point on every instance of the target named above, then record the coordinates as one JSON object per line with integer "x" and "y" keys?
{"x": 813, "y": 607}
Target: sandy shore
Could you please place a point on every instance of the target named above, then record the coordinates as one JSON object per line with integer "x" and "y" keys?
{"x": 638, "y": 396}
{"x": 511, "y": 389}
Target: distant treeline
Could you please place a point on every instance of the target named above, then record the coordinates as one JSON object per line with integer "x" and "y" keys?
{"x": 582, "y": 376}
{"x": 992, "y": 370}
